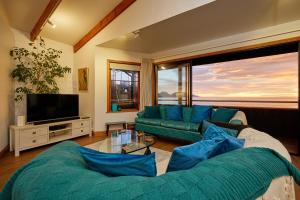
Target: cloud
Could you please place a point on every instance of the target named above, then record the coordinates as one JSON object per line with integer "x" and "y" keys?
{"x": 272, "y": 76}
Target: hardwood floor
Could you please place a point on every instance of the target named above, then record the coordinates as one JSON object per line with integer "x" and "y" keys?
{"x": 9, "y": 163}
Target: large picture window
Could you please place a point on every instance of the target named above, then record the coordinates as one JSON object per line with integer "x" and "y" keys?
{"x": 268, "y": 81}
{"x": 257, "y": 77}
{"x": 123, "y": 86}
{"x": 172, "y": 85}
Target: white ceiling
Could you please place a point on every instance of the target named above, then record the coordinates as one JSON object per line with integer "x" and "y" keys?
{"x": 215, "y": 20}
{"x": 73, "y": 18}
{"x": 20, "y": 12}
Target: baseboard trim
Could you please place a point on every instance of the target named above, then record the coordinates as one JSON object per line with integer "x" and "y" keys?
{"x": 4, "y": 150}
{"x": 98, "y": 132}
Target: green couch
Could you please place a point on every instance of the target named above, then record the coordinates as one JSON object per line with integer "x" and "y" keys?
{"x": 181, "y": 130}
{"x": 174, "y": 129}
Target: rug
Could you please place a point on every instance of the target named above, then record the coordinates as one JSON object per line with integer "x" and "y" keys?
{"x": 162, "y": 157}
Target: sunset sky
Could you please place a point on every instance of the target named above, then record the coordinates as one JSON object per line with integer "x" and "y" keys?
{"x": 264, "y": 78}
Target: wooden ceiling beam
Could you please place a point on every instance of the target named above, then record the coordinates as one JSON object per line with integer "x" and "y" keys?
{"x": 121, "y": 7}
{"x": 51, "y": 7}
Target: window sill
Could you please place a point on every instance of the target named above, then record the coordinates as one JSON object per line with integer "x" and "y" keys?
{"x": 124, "y": 111}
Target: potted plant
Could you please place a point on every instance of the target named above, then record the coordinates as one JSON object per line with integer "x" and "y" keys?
{"x": 37, "y": 69}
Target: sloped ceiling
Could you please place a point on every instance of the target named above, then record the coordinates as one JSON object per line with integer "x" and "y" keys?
{"x": 22, "y": 14}
{"x": 73, "y": 18}
{"x": 215, "y": 20}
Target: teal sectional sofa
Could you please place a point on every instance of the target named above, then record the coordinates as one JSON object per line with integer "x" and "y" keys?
{"x": 184, "y": 129}
{"x": 61, "y": 173}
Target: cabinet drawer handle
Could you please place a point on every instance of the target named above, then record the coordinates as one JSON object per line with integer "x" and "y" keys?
{"x": 81, "y": 124}
{"x": 81, "y": 131}
{"x": 34, "y": 132}
{"x": 33, "y": 141}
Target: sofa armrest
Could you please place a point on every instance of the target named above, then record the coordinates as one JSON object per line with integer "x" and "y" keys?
{"x": 141, "y": 114}
{"x": 239, "y": 116}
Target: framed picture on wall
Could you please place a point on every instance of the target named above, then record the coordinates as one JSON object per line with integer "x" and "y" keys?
{"x": 83, "y": 77}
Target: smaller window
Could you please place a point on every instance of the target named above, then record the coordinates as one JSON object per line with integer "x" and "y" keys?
{"x": 172, "y": 84}
{"x": 123, "y": 86}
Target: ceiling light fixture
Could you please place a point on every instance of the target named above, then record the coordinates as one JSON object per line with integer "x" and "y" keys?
{"x": 51, "y": 23}
{"x": 136, "y": 34}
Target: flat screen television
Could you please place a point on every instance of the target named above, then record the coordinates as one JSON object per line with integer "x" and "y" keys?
{"x": 45, "y": 108}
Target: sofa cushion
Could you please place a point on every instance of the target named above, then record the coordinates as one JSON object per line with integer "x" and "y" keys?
{"x": 174, "y": 124}
{"x": 201, "y": 113}
{"x": 187, "y": 114}
{"x": 115, "y": 164}
{"x": 186, "y": 157}
{"x": 181, "y": 125}
{"x": 194, "y": 127}
{"x": 152, "y": 112}
{"x": 163, "y": 112}
{"x": 223, "y": 114}
{"x": 141, "y": 114}
{"x": 174, "y": 113}
{"x": 149, "y": 121}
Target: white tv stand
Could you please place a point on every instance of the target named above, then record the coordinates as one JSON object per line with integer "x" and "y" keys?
{"x": 30, "y": 136}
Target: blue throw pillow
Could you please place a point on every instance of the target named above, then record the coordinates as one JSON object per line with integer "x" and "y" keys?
{"x": 214, "y": 132}
{"x": 201, "y": 113}
{"x": 174, "y": 113}
{"x": 223, "y": 114}
{"x": 186, "y": 157}
{"x": 216, "y": 142}
{"x": 114, "y": 164}
{"x": 152, "y": 112}
{"x": 206, "y": 124}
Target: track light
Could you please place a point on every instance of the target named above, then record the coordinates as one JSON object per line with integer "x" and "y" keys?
{"x": 136, "y": 34}
{"x": 51, "y": 24}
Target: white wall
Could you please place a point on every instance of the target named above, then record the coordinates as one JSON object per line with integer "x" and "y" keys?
{"x": 273, "y": 33}
{"x": 66, "y": 83}
{"x": 86, "y": 58}
{"x": 7, "y": 42}
{"x": 67, "y": 58}
{"x": 139, "y": 15}
{"x": 101, "y": 115}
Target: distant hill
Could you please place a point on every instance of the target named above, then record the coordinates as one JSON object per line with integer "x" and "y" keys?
{"x": 167, "y": 95}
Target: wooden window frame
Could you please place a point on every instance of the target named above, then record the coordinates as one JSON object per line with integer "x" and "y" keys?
{"x": 109, "y": 61}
